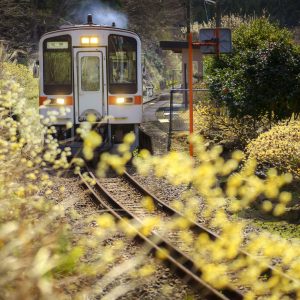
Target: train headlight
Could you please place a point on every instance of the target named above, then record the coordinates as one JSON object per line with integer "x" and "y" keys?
{"x": 94, "y": 40}
{"x": 89, "y": 40}
{"x": 85, "y": 40}
{"x": 120, "y": 100}
{"x": 60, "y": 101}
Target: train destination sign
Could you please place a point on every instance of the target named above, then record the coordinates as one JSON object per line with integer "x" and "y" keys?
{"x": 209, "y": 35}
{"x": 57, "y": 45}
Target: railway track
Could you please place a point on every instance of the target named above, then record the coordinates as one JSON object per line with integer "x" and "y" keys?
{"x": 122, "y": 195}
{"x": 179, "y": 261}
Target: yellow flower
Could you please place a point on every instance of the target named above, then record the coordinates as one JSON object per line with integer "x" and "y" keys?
{"x": 186, "y": 237}
{"x": 146, "y": 270}
{"x": 91, "y": 118}
{"x": 108, "y": 255}
{"x": 148, "y": 203}
{"x": 177, "y": 205}
{"x": 267, "y": 206}
{"x": 285, "y": 197}
{"x": 148, "y": 225}
{"x": 106, "y": 221}
{"x": 62, "y": 189}
{"x": 129, "y": 138}
{"x": 238, "y": 155}
{"x": 20, "y": 192}
{"x": 279, "y": 209}
{"x": 127, "y": 227}
{"x": 162, "y": 253}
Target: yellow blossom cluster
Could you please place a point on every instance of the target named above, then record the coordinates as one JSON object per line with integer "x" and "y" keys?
{"x": 22, "y": 75}
{"x": 43, "y": 257}
{"x": 116, "y": 161}
{"x": 214, "y": 123}
{"x": 279, "y": 147}
{"x": 221, "y": 259}
{"x": 34, "y": 238}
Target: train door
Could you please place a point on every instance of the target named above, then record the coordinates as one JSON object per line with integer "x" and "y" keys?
{"x": 90, "y": 84}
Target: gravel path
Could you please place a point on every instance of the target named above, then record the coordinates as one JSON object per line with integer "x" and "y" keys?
{"x": 162, "y": 285}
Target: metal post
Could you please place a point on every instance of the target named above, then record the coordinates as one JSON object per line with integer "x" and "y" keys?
{"x": 185, "y": 87}
{"x": 188, "y": 18}
{"x": 173, "y": 79}
{"x": 191, "y": 90}
{"x": 218, "y": 26}
{"x": 170, "y": 121}
{"x": 218, "y": 14}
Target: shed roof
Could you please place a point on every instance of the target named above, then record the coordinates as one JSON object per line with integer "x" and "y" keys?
{"x": 175, "y": 46}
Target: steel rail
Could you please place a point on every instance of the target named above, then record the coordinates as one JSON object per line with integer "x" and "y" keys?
{"x": 199, "y": 228}
{"x": 177, "y": 260}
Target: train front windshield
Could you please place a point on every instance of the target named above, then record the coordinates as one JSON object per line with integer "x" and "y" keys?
{"x": 57, "y": 65}
{"x": 122, "y": 51}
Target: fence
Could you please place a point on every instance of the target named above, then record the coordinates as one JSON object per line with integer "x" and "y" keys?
{"x": 179, "y": 108}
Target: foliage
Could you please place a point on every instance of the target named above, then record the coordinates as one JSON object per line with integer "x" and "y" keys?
{"x": 44, "y": 257}
{"x": 30, "y": 232}
{"x": 261, "y": 76}
{"x": 155, "y": 20}
{"x": 232, "y": 21}
{"x": 23, "y": 76}
{"x": 286, "y": 12}
{"x": 258, "y": 33}
{"x": 16, "y": 19}
{"x": 218, "y": 259}
{"x": 214, "y": 123}
{"x": 23, "y": 22}
{"x": 279, "y": 147}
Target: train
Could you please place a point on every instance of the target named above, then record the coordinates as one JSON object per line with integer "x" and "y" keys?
{"x": 96, "y": 70}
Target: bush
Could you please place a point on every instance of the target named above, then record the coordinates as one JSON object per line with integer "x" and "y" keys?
{"x": 278, "y": 147}
{"x": 261, "y": 77}
{"x": 214, "y": 123}
{"x": 23, "y": 76}
{"x": 45, "y": 258}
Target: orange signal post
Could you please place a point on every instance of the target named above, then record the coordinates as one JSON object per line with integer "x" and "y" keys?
{"x": 217, "y": 46}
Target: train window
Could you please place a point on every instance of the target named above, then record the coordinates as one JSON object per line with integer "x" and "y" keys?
{"x": 122, "y": 52}
{"x": 57, "y": 65}
{"x": 90, "y": 73}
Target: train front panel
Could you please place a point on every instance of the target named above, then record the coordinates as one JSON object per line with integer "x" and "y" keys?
{"x": 92, "y": 70}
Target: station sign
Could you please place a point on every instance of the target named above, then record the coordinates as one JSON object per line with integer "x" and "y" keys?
{"x": 209, "y": 35}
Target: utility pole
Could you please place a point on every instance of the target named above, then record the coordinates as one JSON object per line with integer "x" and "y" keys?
{"x": 188, "y": 18}
{"x": 218, "y": 14}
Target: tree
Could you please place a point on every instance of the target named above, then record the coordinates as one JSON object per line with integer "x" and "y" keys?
{"x": 156, "y": 19}
{"x": 287, "y": 12}
{"x": 262, "y": 76}
{"x": 15, "y": 23}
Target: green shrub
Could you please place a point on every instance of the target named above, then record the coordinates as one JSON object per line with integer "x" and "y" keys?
{"x": 278, "y": 147}
{"x": 261, "y": 76}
